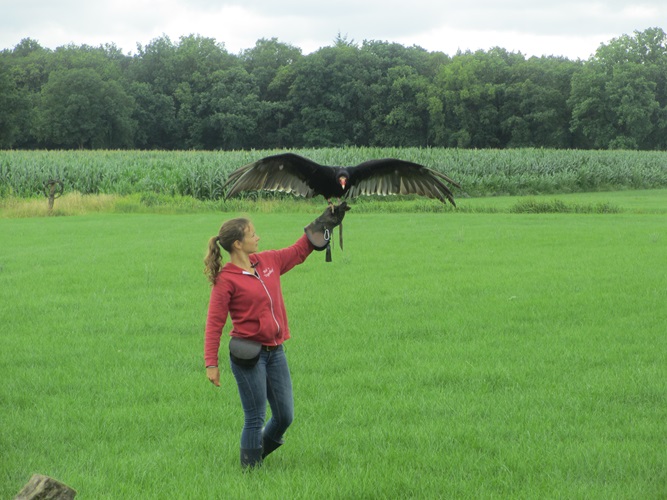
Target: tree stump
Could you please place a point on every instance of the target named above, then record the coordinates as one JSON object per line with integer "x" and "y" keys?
{"x": 53, "y": 188}
{"x": 45, "y": 488}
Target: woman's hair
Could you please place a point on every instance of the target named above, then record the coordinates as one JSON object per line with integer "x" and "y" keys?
{"x": 231, "y": 231}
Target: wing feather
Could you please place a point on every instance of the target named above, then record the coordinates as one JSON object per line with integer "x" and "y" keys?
{"x": 291, "y": 173}
{"x": 393, "y": 176}
{"x": 288, "y": 172}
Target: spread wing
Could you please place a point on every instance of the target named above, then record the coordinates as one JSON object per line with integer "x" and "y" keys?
{"x": 288, "y": 172}
{"x": 392, "y": 176}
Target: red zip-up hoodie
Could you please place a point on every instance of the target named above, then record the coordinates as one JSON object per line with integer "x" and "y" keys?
{"x": 253, "y": 301}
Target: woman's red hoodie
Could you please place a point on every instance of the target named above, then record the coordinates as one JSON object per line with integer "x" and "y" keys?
{"x": 254, "y": 302}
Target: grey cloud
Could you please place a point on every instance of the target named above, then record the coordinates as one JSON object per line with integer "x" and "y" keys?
{"x": 386, "y": 19}
{"x": 294, "y": 21}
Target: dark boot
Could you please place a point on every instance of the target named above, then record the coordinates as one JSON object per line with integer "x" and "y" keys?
{"x": 269, "y": 445}
{"x": 251, "y": 459}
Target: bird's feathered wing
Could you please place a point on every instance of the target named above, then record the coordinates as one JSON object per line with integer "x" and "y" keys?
{"x": 288, "y": 172}
{"x": 291, "y": 173}
{"x": 393, "y": 176}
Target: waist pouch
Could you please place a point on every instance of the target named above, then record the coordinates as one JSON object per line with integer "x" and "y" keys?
{"x": 244, "y": 352}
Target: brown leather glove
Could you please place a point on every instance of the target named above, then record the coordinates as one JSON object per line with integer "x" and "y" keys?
{"x": 319, "y": 231}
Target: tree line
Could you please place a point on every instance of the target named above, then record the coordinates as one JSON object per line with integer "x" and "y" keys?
{"x": 194, "y": 94}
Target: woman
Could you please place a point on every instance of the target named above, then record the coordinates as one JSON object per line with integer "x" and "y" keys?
{"x": 247, "y": 288}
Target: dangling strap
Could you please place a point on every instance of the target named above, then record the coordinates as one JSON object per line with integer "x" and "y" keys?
{"x": 328, "y": 238}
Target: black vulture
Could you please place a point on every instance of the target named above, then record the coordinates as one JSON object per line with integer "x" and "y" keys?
{"x": 291, "y": 173}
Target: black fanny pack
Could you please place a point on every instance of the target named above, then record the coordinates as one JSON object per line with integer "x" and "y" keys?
{"x": 244, "y": 352}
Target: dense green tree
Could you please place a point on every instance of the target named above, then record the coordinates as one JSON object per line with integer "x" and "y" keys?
{"x": 165, "y": 65}
{"x": 197, "y": 59}
{"x": 266, "y": 59}
{"x": 154, "y": 64}
{"x": 10, "y": 108}
{"x": 79, "y": 109}
{"x": 400, "y": 109}
{"x": 535, "y": 111}
{"x": 472, "y": 90}
{"x": 390, "y": 55}
{"x": 404, "y": 108}
{"x": 269, "y": 63}
{"x": 31, "y": 65}
{"x": 107, "y": 61}
{"x": 330, "y": 96}
{"x": 194, "y": 94}
{"x": 28, "y": 64}
{"x": 229, "y": 112}
{"x": 278, "y": 114}
{"x": 592, "y": 114}
{"x": 179, "y": 86}
{"x": 636, "y": 111}
{"x": 619, "y": 99}
{"x": 155, "y": 117}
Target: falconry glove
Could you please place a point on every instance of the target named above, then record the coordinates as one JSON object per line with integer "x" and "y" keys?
{"x": 319, "y": 231}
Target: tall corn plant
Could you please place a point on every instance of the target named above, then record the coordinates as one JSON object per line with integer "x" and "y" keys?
{"x": 201, "y": 174}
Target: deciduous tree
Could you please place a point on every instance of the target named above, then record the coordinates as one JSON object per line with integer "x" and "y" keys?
{"x": 79, "y": 109}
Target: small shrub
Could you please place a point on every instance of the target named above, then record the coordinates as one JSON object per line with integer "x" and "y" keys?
{"x": 532, "y": 206}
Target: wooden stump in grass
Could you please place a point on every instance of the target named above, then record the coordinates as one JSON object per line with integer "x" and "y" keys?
{"x": 53, "y": 188}
{"x": 45, "y": 488}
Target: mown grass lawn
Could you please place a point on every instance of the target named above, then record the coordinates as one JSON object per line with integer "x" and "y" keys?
{"x": 453, "y": 355}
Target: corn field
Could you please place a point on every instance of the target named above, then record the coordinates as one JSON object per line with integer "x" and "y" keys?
{"x": 201, "y": 174}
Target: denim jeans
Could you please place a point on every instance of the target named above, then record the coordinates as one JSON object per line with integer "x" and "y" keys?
{"x": 268, "y": 380}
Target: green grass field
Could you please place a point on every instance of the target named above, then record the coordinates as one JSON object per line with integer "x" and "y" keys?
{"x": 441, "y": 355}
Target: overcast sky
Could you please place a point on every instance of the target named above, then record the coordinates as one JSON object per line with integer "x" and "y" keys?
{"x": 570, "y": 28}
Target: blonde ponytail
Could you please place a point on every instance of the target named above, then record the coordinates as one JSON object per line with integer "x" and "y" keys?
{"x": 213, "y": 260}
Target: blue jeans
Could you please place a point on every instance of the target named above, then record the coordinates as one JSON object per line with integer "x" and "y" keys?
{"x": 268, "y": 380}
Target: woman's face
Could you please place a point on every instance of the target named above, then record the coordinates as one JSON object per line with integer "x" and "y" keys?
{"x": 250, "y": 241}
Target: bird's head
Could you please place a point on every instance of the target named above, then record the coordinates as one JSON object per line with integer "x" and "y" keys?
{"x": 342, "y": 180}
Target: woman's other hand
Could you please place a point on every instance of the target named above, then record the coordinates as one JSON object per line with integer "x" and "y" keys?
{"x": 213, "y": 374}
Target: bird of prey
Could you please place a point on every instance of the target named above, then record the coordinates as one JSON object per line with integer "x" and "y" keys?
{"x": 291, "y": 173}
